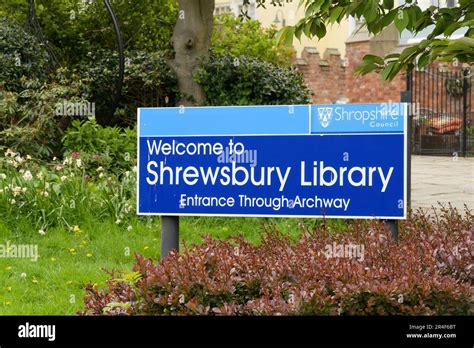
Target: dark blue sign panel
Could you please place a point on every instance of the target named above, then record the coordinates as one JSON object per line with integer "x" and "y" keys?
{"x": 295, "y": 170}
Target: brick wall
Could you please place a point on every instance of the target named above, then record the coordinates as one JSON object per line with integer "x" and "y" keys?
{"x": 324, "y": 76}
{"x": 369, "y": 88}
{"x": 331, "y": 79}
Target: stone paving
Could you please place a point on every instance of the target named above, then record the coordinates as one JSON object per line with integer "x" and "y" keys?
{"x": 442, "y": 179}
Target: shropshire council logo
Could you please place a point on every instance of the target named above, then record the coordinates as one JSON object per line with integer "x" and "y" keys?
{"x": 325, "y": 115}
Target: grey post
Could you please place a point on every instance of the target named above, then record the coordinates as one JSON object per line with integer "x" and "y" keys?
{"x": 465, "y": 85}
{"x": 408, "y": 98}
{"x": 169, "y": 234}
{"x": 405, "y": 97}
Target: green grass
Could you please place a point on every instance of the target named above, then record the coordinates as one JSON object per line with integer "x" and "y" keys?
{"x": 53, "y": 285}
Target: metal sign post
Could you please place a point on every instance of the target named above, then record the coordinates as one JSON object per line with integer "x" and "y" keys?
{"x": 169, "y": 234}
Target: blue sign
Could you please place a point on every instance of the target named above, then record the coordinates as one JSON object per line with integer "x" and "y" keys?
{"x": 344, "y": 161}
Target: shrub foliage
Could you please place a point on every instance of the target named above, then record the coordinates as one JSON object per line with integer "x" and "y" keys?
{"x": 20, "y": 55}
{"x": 115, "y": 147}
{"x": 428, "y": 271}
{"x": 248, "y": 38}
{"x": 29, "y": 120}
{"x": 231, "y": 80}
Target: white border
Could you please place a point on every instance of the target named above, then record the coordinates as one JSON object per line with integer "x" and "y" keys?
{"x": 405, "y": 159}
{"x": 138, "y": 161}
{"x": 279, "y": 216}
{"x": 263, "y": 135}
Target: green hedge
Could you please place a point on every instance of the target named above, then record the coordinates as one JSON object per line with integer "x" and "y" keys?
{"x": 231, "y": 80}
{"x": 21, "y": 55}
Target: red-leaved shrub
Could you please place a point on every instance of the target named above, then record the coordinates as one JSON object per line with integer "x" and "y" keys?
{"x": 427, "y": 271}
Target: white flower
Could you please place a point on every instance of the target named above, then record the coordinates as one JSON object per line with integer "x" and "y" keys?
{"x": 100, "y": 169}
{"x": 118, "y": 222}
{"x": 10, "y": 153}
{"x": 12, "y": 201}
{"x": 54, "y": 158}
{"x": 129, "y": 228}
{"x": 16, "y": 191}
{"x": 78, "y": 163}
{"x": 63, "y": 178}
{"x": 3, "y": 176}
{"x": 23, "y": 275}
{"x": 40, "y": 175}
{"x": 42, "y": 232}
{"x": 101, "y": 175}
{"x": 45, "y": 193}
{"x": 27, "y": 176}
{"x": 28, "y": 157}
{"x": 134, "y": 169}
{"x": 19, "y": 159}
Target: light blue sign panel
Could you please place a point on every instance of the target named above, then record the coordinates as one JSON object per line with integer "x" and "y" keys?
{"x": 346, "y": 174}
{"x": 358, "y": 118}
{"x": 292, "y": 119}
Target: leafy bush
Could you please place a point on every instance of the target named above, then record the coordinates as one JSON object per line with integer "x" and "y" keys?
{"x": 227, "y": 80}
{"x": 29, "y": 121}
{"x": 148, "y": 81}
{"x": 230, "y": 80}
{"x": 240, "y": 38}
{"x": 20, "y": 55}
{"x": 111, "y": 147}
{"x": 75, "y": 28}
{"x": 428, "y": 271}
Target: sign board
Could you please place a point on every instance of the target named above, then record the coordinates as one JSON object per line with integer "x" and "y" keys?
{"x": 336, "y": 161}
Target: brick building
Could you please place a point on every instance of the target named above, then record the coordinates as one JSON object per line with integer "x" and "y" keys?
{"x": 332, "y": 79}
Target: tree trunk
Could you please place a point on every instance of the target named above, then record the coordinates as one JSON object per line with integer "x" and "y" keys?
{"x": 191, "y": 41}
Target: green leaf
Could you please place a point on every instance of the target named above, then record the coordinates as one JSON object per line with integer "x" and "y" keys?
{"x": 336, "y": 14}
{"x": 387, "y": 70}
{"x": 321, "y": 31}
{"x": 408, "y": 52}
{"x": 370, "y": 11}
{"x": 388, "y": 4}
{"x": 285, "y": 36}
{"x": 423, "y": 60}
{"x": 401, "y": 20}
{"x": 365, "y": 68}
{"x": 298, "y": 32}
{"x": 388, "y": 18}
{"x": 369, "y": 58}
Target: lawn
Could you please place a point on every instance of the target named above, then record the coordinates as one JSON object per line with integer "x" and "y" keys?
{"x": 53, "y": 285}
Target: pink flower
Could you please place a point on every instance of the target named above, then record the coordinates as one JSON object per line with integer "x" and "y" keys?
{"x": 76, "y": 154}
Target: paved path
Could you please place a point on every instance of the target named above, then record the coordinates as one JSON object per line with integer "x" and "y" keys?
{"x": 443, "y": 179}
